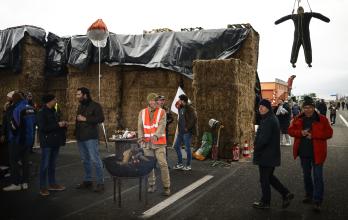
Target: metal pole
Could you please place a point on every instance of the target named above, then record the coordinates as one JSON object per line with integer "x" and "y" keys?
{"x": 99, "y": 76}
{"x": 99, "y": 73}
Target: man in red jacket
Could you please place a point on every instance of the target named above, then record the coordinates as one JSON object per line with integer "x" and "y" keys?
{"x": 311, "y": 131}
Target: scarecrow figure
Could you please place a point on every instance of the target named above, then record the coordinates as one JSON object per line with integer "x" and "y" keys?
{"x": 301, "y": 35}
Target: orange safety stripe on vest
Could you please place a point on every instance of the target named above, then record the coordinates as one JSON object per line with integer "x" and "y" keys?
{"x": 150, "y": 127}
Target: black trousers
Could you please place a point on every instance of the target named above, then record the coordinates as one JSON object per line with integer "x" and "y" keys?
{"x": 267, "y": 179}
{"x": 307, "y": 48}
{"x": 19, "y": 172}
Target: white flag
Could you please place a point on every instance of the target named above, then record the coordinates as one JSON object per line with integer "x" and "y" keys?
{"x": 178, "y": 93}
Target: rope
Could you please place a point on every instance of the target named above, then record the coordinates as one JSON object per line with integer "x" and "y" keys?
{"x": 293, "y": 8}
{"x": 309, "y": 6}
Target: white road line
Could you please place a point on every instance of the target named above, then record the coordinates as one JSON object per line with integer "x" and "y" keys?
{"x": 175, "y": 197}
{"x": 344, "y": 120}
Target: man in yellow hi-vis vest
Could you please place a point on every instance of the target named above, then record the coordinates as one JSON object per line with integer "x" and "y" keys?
{"x": 152, "y": 137}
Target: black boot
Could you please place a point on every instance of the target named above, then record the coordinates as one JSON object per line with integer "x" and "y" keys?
{"x": 317, "y": 206}
{"x": 307, "y": 200}
{"x": 287, "y": 200}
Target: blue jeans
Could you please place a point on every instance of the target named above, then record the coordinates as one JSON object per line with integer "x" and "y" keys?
{"x": 314, "y": 189}
{"x": 186, "y": 139}
{"x": 48, "y": 166}
{"x": 89, "y": 153}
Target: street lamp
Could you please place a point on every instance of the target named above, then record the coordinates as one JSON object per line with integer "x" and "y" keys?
{"x": 98, "y": 34}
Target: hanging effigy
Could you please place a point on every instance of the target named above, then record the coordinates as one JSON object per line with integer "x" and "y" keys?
{"x": 301, "y": 35}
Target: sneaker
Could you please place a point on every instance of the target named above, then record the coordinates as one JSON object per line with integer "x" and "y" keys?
{"x": 186, "y": 168}
{"x": 261, "y": 205}
{"x": 85, "y": 185}
{"x": 166, "y": 191}
{"x": 56, "y": 187}
{"x": 287, "y": 200}
{"x": 178, "y": 166}
{"x": 25, "y": 186}
{"x": 307, "y": 200}
{"x": 317, "y": 206}
{"x": 12, "y": 187}
{"x": 151, "y": 189}
{"x": 99, "y": 188}
{"x": 44, "y": 192}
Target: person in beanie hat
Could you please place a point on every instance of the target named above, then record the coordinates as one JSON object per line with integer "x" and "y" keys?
{"x": 266, "y": 103}
{"x": 152, "y": 138}
{"x": 52, "y": 137}
{"x": 311, "y": 131}
{"x": 151, "y": 97}
{"x": 267, "y": 157}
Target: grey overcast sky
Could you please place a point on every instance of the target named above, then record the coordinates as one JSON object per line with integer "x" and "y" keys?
{"x": 329, "y": 40}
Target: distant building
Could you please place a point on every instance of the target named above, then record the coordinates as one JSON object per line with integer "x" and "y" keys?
{"x": 274, "y": 91}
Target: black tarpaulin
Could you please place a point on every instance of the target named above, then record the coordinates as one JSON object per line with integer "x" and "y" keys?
{"x": 10, "y": 47}
{"x": 57, "y": 50}
{"x": 169, "y": 50}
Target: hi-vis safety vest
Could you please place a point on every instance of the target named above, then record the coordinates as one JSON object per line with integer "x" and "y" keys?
{"x": 150, "y": 127}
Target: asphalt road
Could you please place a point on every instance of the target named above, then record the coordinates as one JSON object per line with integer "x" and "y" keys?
{"x": 220, "y": 192}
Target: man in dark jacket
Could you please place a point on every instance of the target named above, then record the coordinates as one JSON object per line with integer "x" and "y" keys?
{"x": 267, "y": 157}
{"x": 20, "y": 137}
{"x": 89, "y": 116}
{"x": 322, "y": 108}
{"x": 52, "y": 136}
{"x": 311, "y": 131}
{"x": 301, "y": 36}
{"x": 187, "y": 127}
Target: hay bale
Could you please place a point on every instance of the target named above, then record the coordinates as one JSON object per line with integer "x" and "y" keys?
{"x": 249, "y": 51}
{"x": 124, "y": 91}
{"x": 57, "y": 86}
{"x": 138, "y": 82}
{"x": 224, "y": 90}
{"x": 31, "y": 78}
{"x": 89, "y": 79}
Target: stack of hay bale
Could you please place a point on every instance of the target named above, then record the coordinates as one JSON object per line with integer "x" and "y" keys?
{"x": 31, "y": 79}
{"x": 225, "y": 90}
{"x": 89, "y": 79}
